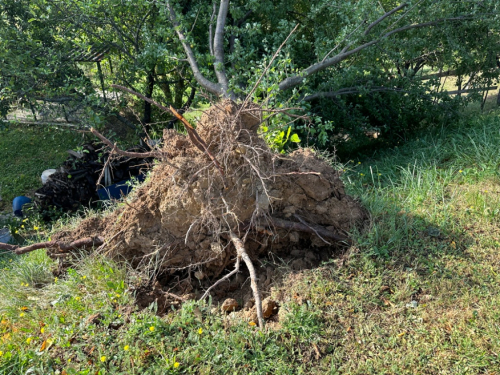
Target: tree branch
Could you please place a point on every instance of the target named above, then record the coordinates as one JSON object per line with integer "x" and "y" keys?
{"x": 388, "y": 14}
{"x": 219, "y": 68}
{"x": 210, "y": 86}
{"x": 296, "y": 80}
{"x": 211, "y": 32}
{"x": 347, "y": 91}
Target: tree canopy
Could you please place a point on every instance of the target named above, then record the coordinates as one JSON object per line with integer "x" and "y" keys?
{"x": 352, "y": 66}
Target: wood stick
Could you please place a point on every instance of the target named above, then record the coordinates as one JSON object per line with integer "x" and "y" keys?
{"x": 62, "y": 246}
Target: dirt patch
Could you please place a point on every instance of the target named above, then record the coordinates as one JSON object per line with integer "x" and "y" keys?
{"x": 178, "y": 223}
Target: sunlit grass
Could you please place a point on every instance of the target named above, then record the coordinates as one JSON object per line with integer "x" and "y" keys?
{"x": 417, "y": 293}
{"x": 25, "y": 152}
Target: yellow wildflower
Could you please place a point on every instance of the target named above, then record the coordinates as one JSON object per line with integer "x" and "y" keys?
{"x": 103, "y": 358}
{"x": 200, "y": 331}
{"x": 126, "y": 348}
{"x": 176, "y": 364}
{"x": 28, "y": 340}
{"x": 152, "y": 328}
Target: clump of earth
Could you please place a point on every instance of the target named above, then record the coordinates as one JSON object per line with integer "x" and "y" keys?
{"x": 288, "y": 210}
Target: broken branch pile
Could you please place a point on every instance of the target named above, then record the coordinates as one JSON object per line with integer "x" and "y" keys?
{"x": 77, "y": 181}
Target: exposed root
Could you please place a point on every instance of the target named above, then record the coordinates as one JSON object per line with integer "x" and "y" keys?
{"x": 242, "y": 253}
{"x": 307, "y": 228}
{"x": 233, "y": 272}
{"x": 63, "y": 247}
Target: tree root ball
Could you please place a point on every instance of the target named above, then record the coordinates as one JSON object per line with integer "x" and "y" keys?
{"x": 178, "y": 222}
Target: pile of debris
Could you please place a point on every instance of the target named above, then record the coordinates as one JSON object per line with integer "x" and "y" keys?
{"x": 78, "y": 180}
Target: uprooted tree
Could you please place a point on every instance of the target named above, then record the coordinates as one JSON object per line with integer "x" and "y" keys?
{"x": 219, "y": 196}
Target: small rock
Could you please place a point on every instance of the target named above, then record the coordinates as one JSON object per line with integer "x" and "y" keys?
{"x": 229, "y": 305}
{"x": 268, "y": 306}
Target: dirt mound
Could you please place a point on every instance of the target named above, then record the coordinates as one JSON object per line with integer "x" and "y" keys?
{"x": 180, "y": 220}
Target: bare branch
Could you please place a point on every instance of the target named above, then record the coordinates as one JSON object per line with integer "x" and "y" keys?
{"x": 439, "y": 75}
{"x": 106, "y": 141}
{"x": 219, "y": 68}
{"x": 456, "y": 92}
{"x": 192, "y": 133}
{"x": 347, "y": 91}
{"x": 210, "y": 86}
{"x": 61, "y": 246}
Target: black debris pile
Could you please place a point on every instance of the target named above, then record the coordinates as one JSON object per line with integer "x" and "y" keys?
{"x": 80, "y": 177}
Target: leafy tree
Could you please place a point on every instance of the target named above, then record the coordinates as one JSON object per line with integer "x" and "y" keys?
{"x": 354, "y": 65}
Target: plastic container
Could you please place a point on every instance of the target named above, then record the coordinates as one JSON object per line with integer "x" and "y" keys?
{"x": 118, "y": 190}
{"x": 18, "y": 203}
{"x": 46, "y": 174}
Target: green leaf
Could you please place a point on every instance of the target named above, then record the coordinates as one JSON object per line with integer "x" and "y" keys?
{"x": 295, "y": 138}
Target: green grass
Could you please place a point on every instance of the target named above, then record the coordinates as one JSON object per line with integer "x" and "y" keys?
{"x": 416, "y": 294}
{"x": 25, "y": 152}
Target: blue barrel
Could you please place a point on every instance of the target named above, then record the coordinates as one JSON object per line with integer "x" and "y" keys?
{"x": 18, "y": 203}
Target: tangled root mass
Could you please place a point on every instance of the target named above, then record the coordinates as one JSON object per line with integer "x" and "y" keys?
{"x": 179, "y": 220}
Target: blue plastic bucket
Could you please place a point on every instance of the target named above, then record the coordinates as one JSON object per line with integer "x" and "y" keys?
{"x": 18, "y": 203}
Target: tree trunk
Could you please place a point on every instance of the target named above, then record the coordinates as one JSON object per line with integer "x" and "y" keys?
{"x": 149, "y": 94}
